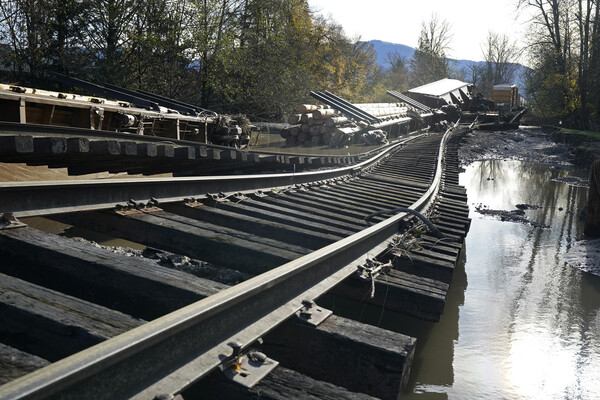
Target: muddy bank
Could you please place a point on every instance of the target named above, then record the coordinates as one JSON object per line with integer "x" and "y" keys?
{"x": 585, "y": 149}
{"x": 517, "y": 215}
{"x": 585, "y": 255}
{"x": 522, "y": 145}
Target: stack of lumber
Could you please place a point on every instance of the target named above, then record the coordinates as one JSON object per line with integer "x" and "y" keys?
{"x": 318, "y": 125}
{"x": 321, "y": 125}
{"x": 383, "y": 109}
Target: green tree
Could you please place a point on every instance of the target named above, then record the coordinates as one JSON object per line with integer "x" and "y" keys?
{"x": 41, "y": 36}
{"x": 564, "y": 59}
{"x": 398, "y": 74}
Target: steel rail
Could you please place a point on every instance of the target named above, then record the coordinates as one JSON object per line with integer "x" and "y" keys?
{"x": 107, "y": 92}
{"x": 408, "y": 100}
{"x": 166, "y": 355}
{"x": 25, "y": 199}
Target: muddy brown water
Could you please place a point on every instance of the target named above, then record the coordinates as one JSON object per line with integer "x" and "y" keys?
{"x": 518, "y": 322}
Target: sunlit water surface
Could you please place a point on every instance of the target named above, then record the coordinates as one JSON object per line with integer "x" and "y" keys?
{"x": 519, "y": 323}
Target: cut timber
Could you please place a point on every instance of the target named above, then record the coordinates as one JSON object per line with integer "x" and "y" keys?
{"x": 399, "y": 291}
{"x": 15, "y": 363}
{"x": 132, "y": 285}
{"x": 281, "y": 384}
{"x": 52, "y": 325}
{"x": 359, "y": 357}
{"x": 215, "y": 244}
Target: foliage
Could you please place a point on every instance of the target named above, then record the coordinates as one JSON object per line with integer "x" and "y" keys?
{"x": 260, "y": 57}
{"x": 565, "y": 57}
{"x": 593, "y": 134}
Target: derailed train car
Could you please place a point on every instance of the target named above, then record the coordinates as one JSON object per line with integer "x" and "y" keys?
{"x": 120, "y": 110}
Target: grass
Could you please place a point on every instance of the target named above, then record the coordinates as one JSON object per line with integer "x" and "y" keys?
{"x": 592, "y": 134}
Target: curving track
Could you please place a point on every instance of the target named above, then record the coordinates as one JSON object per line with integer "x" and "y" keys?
{"x": 288, "y": 244}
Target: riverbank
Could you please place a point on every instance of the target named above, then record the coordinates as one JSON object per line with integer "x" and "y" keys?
{"x": 524, "y": 144}
{"x": 584, "y": 145}
{"x": 558, "y": 149}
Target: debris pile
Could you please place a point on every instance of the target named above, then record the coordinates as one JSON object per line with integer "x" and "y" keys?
{"x": 374, "y": 137}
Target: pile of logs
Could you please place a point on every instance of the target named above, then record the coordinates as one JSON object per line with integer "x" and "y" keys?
{"x": 318, "y": 125}
{"x": 321, "y": 125}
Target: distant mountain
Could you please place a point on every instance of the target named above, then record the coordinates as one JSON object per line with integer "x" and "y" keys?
{"x": 382, "y": 49}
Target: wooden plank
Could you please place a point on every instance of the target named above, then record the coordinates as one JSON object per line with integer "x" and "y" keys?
{"x": 257, "y": 226}
{"x": 360, "y": 357}
{"x": 15, "y": 363}
{"x": 185, "y": 153}
{"x": 208, "y": 242}
{"x": 304, "y": 218}
{"x": 53, "y": 325}
{"x": 399, "y": 291}
{"x": 105, "y": 147}
{"x": 281, "y": 384}
{"x": 319, "y": 202}
{"x": 16, "y": 144}
{"x": 131, "y": 285}
{"x": 147, "y": 149}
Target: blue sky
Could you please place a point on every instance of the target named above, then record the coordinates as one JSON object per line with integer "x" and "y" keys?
{"x": 399, "y": 21}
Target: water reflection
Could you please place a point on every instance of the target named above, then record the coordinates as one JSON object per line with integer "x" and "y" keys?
{"x": 529, "y": 326}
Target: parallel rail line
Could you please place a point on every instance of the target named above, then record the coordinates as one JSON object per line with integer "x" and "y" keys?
{"x": 313, "y": 239}
{"x": 85, "y": 151}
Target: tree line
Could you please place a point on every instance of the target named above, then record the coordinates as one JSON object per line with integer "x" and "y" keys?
{"x": 564, "y": 53}
{"x": 262, "y": 57}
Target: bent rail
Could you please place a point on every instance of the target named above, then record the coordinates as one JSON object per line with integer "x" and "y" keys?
{"x": 42, "y": 198}
{"x": 168, "y": 354}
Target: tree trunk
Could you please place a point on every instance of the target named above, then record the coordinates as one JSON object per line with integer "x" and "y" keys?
{"x": 592, "y": 217}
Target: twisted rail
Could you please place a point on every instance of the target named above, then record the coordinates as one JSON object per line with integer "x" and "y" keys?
{"x": 167, "y": 355}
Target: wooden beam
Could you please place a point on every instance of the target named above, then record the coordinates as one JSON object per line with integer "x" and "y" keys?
{"x": 360, "y": 357}
{"x": 131, "y": 285}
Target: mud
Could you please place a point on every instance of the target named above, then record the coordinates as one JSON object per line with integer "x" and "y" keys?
{"x": 585, "y": 255}
{"x": 524, "y": 144}
{"x": 517, "y": 215}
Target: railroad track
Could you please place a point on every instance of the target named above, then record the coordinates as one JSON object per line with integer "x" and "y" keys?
{"x": 109, "y": 325}
{"x": 85, "y": 151}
